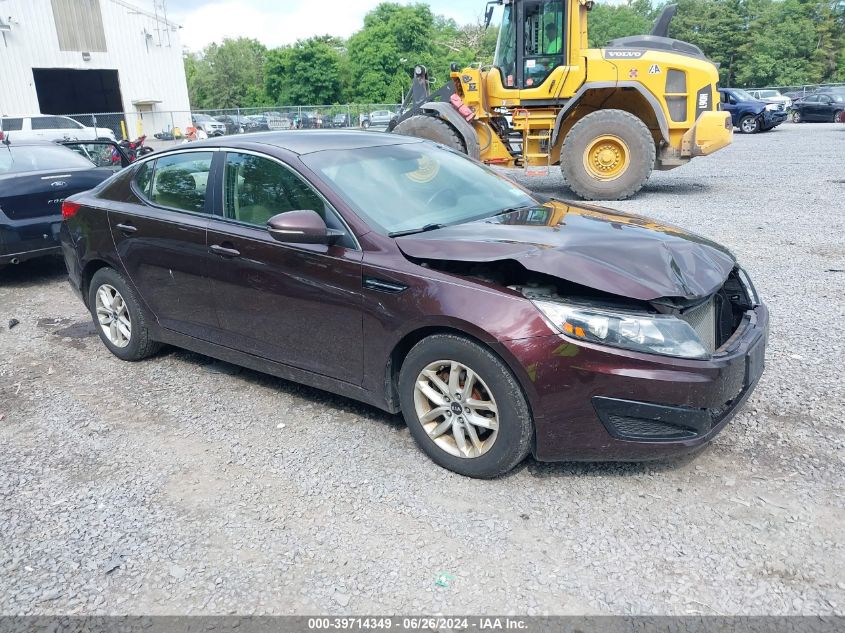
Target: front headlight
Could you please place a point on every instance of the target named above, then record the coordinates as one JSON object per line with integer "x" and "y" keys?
{"x": 651, "y": 333}
{"x": 772, "y": 107}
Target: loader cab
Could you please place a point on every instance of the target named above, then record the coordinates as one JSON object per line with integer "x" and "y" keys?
{"x": 531, "y": 42}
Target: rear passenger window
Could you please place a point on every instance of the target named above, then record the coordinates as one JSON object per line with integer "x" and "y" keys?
{"x": 180, "y": 181}
{"x": 47, "y": 123}
{"x": 11, "y": 125}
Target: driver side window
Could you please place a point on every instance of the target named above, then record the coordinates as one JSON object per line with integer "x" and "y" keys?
{"x": 257, "y": 188}
{"x": 542, "y": 40}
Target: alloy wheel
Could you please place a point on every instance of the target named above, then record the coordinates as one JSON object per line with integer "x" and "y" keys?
{"x": 113, "y": 316}
{"x": 749, "y": 125}
{"x": 456, "y": 409}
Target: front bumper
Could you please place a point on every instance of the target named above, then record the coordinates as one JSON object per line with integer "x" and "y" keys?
{"x": 597, "y": 403}
{"x": 711, "y": 132}
{"x": 773, "y": 118}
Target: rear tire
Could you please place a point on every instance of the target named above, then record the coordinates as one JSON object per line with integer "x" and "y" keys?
{"x": 629, "y": 141}
{"x": 108, "y": 294}
{"x": 837, "y": 116}
{"x": 493, "y": 394}
{"x": 431, "y": 128}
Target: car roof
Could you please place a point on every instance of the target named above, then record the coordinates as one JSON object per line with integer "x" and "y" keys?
{"x": 308, "y": 141}
{"x": 10, "y": 137}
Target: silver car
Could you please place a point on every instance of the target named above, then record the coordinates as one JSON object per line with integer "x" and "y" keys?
{"x": 380, "y": 118}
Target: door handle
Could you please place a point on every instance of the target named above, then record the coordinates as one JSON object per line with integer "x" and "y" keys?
{"x": 224, "y": 252}
{"x": 127, "y": 228}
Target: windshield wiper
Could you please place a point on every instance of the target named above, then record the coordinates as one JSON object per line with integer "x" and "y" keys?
{"x": 507, "y": 210}
{"x": 427, "y": 227}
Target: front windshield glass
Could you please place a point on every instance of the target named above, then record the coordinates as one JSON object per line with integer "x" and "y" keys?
{"x": 742, "y": 95}
{"x": 399, "y": 188}
{"x": 769, "y": 93}
{"x": 39, "y": 158}
{"x": 505, "y": 57}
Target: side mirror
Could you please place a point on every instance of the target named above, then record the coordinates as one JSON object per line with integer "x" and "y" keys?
{"x": 488, "y": 14}
{"x": 301, "y": 227}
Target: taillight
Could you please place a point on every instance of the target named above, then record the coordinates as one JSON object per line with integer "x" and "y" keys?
{"x": 69, "y": 209}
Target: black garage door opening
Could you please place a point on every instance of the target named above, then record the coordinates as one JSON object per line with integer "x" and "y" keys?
{"x": 65, "y": 91}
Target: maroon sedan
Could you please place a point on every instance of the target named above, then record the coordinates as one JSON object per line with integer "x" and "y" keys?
{"x": 402, "y": 274}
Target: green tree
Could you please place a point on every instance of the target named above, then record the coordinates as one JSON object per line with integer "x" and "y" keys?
{"x": 227, "y": 75}
{"x": 309, "y": 72}
{"x": 383, "y": 53}
{"x": 607, "y": 22}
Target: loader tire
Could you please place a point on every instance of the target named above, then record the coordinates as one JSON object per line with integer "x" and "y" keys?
{"x": 433, "y": 129}
{"x": 607, "y": 155}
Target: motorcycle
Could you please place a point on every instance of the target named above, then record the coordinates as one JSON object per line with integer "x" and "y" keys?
{"x": 135, "y": 149}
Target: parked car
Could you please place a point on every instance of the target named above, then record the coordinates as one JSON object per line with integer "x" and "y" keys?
{"x": 749, "y": 114}
{"x": 235, "y": 124}
{"x": 771, "y": 96}
{"x": 212, "y": 127}
{"x": 379, "y": 118}
{"x": 340, "y": 120}
{"x": 42, "y": 127}
{"x": 308, "y": 121}
{"x": 35, "y": 178}
{"x": 277, "y": 121}
{"x": 827, "y": 107}
{"x": 498, "y": 322}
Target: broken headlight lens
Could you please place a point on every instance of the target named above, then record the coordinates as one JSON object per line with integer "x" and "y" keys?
{"x": 650, "y": 333}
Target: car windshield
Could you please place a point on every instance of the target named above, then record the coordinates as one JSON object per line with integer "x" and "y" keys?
{"x": 769, "y": 93}
{"x": 742, "y": 95}
{"x": 26, "y": 158}
{"x": 413, "y": 186}
{"x": 204, "y": 118}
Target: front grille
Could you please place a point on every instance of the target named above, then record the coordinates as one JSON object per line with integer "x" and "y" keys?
{"x": 702, "y": 319}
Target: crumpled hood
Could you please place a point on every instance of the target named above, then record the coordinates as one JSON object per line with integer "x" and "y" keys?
{"x": 613, "y": 252}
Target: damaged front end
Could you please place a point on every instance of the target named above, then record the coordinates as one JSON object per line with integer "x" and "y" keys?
{"x": 600, "y": 276}
{"x": 655, "y": 336}
{"x": 668, "y": 326}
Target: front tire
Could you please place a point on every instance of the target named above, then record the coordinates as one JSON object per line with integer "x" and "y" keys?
{"x": 117, "y": 314}
{"x": 607, "y": 155}
{"x": 796, "y": 117}
{"x": 749, "y": 124}
{"x": 431, "y": 128}
{"x": 464, "y": 407}
{"x": 837, "y": 116}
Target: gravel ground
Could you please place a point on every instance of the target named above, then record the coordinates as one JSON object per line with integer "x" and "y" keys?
{"x": 185, "y": 485}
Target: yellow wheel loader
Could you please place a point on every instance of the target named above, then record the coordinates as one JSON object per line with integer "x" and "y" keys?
{"x": 607, "y": 116}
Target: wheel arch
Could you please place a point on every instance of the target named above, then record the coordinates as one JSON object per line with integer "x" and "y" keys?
{"x": 88, "y": 271}
{"x": 400, "y": 351}
{"x": 644, "y": 105}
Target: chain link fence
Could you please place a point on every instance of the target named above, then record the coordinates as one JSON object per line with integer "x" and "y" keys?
{"x": 163, "y": 129}
{"x": 794, "y": 92}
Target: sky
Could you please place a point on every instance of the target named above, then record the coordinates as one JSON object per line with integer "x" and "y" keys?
{"x": 278, "y": 22}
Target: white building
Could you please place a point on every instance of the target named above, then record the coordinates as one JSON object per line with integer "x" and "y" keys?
{"x": 93, "y": 56}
